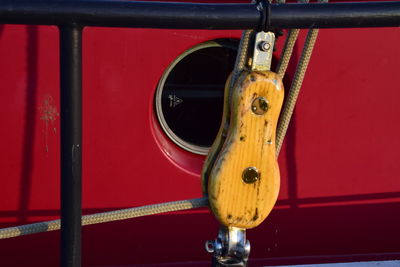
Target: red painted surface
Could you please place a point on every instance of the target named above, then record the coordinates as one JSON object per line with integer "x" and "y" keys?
{"x": 340, "y": 173}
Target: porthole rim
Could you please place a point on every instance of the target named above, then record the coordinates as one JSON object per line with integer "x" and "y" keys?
{"x": 196, "y": 149}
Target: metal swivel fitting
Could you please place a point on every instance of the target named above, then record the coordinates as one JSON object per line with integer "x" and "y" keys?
{"x": 230, "y": 248}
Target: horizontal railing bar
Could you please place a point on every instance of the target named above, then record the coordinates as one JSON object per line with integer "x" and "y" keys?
{"x": 337, "y": 15}
{"x": 130, "y": 14}
{"x": 198, "y": 16}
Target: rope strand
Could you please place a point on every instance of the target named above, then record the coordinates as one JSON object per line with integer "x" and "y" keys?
{"x": 106, "y": 217}
{"x": 294, "y": 90}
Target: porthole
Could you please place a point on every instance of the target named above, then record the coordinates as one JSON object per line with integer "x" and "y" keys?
{"x": 189, "y": 96}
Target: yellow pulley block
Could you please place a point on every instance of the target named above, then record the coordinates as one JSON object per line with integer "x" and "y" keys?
{"x": 243, "y": 184}
{"x": 241, "y": 174}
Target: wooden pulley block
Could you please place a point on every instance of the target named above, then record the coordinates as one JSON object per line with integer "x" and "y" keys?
{"x": 241, "y": 175}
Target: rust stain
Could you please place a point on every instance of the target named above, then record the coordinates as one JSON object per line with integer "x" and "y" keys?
{"x": 48, "y": 114}
{"x": 255, "y": 217}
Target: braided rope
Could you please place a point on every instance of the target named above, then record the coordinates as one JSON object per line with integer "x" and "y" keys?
{"x": 287, "y": 52}
{"x": 294, "y": 90}
{"x": 106, "y": 217}
{"x": 242, "y": 55}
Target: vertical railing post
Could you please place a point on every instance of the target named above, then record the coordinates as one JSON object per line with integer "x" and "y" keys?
{"x": 71, "y": 144}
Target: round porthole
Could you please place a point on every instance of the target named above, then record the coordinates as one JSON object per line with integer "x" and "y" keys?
{"x": 189, "y": 97}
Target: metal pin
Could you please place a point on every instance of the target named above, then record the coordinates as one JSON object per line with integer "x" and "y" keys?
{"x": 265, "y": 46}
{"x": 259, "y": 105}
{"x": 250, "y": 175}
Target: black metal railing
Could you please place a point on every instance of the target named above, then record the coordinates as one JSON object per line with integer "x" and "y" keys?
{"x": 72, "y": 16}
{"x": 198, "y": 16}
{"x": 71, "y": 144}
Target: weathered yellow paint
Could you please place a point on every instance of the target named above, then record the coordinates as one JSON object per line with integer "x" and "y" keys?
{"x": 219, "y": 140}
{"x": 250, "y": 143}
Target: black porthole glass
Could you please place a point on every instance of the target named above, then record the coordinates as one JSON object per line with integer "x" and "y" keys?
{"x": 189, "y": 99}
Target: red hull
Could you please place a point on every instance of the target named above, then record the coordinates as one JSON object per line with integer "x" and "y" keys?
{"x": 340, "y": 192}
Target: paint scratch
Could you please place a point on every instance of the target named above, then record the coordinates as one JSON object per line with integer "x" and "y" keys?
{"x": 48, "y": 114}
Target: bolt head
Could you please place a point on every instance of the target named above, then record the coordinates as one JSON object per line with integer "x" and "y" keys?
{"x": 259, "y": 105}
{"x": 250, "y": 175}
{"x": 265, "y": 46}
